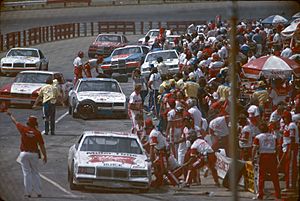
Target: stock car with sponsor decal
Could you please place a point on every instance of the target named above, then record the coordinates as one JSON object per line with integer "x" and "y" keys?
{"x": 170, "y": 58}
{"x": 92, "y": 97}
{"x": 21, "y": 59}
{"x": 104, "y": 44}
{"x": 125, "y": 59}
{"x": 108, "y": 160}
{"x": 24, "y": 89}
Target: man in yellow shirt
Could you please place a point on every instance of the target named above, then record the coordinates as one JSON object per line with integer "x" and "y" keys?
{"x": 49, "y": 95}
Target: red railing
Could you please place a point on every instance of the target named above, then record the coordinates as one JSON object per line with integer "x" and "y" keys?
{"x": 39, "y": 35}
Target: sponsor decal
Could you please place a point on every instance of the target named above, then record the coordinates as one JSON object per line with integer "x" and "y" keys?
{"x": 110, "y": 158}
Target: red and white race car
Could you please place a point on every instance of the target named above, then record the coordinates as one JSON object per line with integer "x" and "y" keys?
{"x": 104, "y": 44}
{"x": 24, "y": 89}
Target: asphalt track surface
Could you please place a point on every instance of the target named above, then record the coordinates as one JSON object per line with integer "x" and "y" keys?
{"x": 54, "y": 173}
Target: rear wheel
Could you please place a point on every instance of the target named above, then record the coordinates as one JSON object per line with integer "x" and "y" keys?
{"x": 71, "y": 177}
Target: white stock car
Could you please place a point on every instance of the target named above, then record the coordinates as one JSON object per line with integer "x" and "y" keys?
{"x": 170, "y": 58}
{"x": 20, "y": 59}
{"x": 108, "y": 160}
{"x": 92, "y": 97}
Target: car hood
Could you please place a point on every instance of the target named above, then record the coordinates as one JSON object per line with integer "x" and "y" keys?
{"x": 107, "y": 44}
{"x": 101, "y": 96}
{"x": 25, "y": 88}
{"x": 20, "y": 59}
{"x": 111, "y": 159}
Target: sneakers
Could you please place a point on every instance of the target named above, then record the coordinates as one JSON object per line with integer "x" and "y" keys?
{"x": 27, "y": 196}
{"x": 39, "y": 195}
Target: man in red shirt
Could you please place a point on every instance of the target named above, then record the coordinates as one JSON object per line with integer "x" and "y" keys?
{"x": 31, "y": 138}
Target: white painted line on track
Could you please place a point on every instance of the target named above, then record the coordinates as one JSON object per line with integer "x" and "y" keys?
{"x": 61, "y": 117}
{"x": 58, "y": 186}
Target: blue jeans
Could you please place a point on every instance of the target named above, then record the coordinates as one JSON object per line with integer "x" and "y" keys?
{"x": 49, "y": 117}
{"x": 153, "y": 102}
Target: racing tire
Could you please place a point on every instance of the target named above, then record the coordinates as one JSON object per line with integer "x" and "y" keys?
{"x": 120, "y": 77}
{"x": 86, "y": 109}
{"x": 70, "y": 178}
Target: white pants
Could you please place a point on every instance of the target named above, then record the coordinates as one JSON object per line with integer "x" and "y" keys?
{"x": 29, "y": 163}
{"x": 181, "y": 152}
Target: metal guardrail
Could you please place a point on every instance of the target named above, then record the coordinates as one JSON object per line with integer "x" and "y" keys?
{"x": 44, "y": 34}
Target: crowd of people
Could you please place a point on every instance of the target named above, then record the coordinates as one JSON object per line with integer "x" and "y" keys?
{"x": 192, "y": 107}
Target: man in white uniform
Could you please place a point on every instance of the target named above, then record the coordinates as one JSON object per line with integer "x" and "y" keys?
{"x": 135, "y": 105}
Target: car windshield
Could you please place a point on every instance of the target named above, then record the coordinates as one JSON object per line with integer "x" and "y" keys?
{"x": 153, "y": 33}
{"x": 99, "y": 86}
{"x": 111, "y": 144}
{"x": 165, "y": 55}
{"x": 24, "y": 53}
{"x": 32, "y": 77}
{"x": 131, "y": 50}
{"x": 109, "y": 38}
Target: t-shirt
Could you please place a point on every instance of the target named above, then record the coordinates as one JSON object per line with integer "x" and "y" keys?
{"x": 246, "y": 134}
{"x": 49, "y": 93}
{"x": 157, "y": 139}
{"x": 201, "y": 146}
{"x": 266, "y": 143}
{"x": 219, "y": 126}
{"x": 196, "y": 114}
{"x": 135, "y": 99}
{"x": 29, "y": 138}
{"x": 156, "y": 81}
{"x": 77, "y": 62}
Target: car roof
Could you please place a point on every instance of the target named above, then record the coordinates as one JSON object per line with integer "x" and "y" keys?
{"x": 95, "y": 79}
{"x": 23, "y": 48}
{"x": 110, "y": 133}
{"x": 109, "y": 34}
{"x": 129, "y": 46}
{"x": 160, "y": 51}
{"x": 39, "y": 71}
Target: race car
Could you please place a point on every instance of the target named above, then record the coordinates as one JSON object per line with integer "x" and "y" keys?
{"x": 125, "y": 59}
{"x": 108, "y": 160}
{"x": 93, "y": 97}
{"x": 20, "y": 59}
{"x": 170, "y": 58}
{"x": 24, "y": 89}
{"x": 153, "y": 33}
{"x": 104, "y": 44}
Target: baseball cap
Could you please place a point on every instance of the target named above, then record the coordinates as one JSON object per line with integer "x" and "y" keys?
{"x": 253, "y": 111}
{"x": 32, "y": 120}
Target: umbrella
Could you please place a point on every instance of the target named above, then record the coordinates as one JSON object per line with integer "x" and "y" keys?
{"x": 271, "y": 67}
{"x": 274, "y": 19}
{"x": 297, "y": 15}
{"x": 290, "y": 30}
